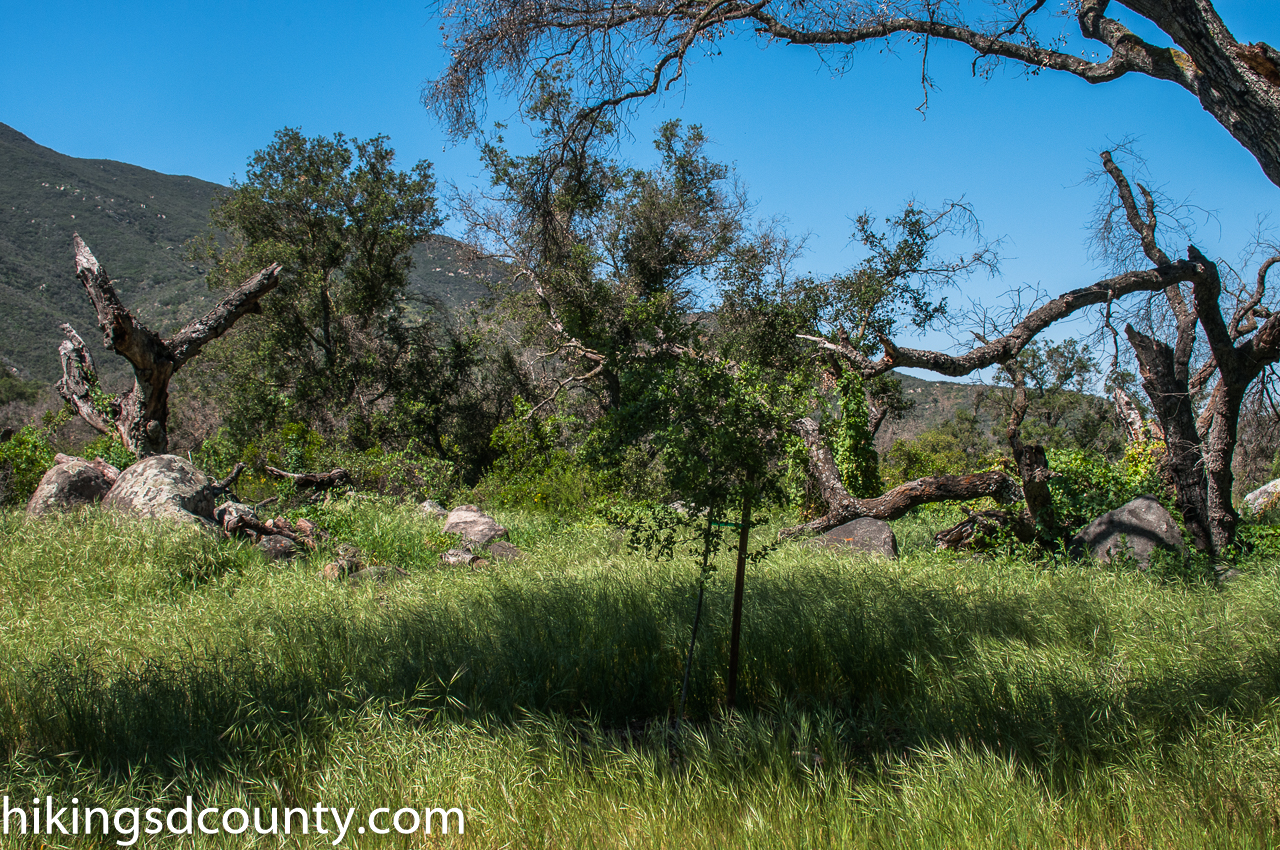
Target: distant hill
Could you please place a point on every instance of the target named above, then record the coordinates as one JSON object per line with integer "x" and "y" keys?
{"x": 137, "y": 222}
{"x": 936, "y": 402}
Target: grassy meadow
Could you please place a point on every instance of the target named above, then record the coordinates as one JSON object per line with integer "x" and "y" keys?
{"x": 939, "y": 701}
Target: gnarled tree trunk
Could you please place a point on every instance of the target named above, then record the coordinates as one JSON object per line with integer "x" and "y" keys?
{"x": 842, "y": 507}
{"x": 141, "y": 415}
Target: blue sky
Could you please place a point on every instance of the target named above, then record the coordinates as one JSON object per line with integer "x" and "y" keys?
{"x": 195, "y": 88}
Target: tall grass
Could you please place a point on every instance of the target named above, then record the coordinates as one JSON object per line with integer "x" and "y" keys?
{"x": 934, "y": 701}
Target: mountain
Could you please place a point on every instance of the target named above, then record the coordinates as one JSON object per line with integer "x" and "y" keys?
{"x": 137, "y": 222}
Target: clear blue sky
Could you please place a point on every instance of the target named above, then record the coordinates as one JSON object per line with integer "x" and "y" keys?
{"x": 194, "y": 88}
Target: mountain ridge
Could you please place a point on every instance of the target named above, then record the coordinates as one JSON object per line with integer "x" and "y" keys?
{"x": 138, "y": 223}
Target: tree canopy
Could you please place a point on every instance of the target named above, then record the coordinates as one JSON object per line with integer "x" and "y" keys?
{"x": 622, "y": 51}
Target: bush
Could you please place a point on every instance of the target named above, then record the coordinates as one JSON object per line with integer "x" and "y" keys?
{"x": 1087, "y": 484}
{"x": 411, "y": 472}
{"x": 935, "y": 452}
{"x": 24, "y": 459}
{"x": 110, "y": 448}
{"x": 535, "y": 473}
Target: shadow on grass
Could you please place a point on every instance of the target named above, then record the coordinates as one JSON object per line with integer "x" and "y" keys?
{"x": 901, "y": 666}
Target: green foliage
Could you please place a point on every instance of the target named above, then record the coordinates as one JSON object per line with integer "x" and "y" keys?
{"x": 110, "y": 448}
{"x": 851, "y": 440}
{"x": 14, "y": 389}
{"x": 956, "y": 447}
{"x": 1062, "y": 411}
{"x": 412, "y": 472}
{"x": 617, "y": 255}
{"x": 1088, "y": 484}
{"x": 536, "y": 471}
{"x": 339, "y": 330}
{"x": 709, "y": 429}
{"x": 24, "y": 459}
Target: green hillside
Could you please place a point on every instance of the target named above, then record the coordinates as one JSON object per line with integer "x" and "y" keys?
{"x": 138, "y": 223}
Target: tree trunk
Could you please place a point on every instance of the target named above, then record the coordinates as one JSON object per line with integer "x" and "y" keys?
{"x": 1183, "y": 467}
{"x": 141, "y": 415}
{"x": 842, "y": 507}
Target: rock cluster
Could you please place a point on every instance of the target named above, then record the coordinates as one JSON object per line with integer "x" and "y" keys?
{"x": 476, "y": 528}
{"x": 351, "y": 566}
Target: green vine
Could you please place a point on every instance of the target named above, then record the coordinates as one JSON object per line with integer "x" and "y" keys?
{"x": 851, "y": 442}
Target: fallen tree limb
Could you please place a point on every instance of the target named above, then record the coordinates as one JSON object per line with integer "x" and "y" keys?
{"x": 842, "y": 507}
{"x": 312, "y": 480}
{"x": 225, "y": 485}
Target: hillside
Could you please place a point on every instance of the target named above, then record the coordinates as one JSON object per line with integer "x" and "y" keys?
{"x": 936, "y": 402}
{"x": 138, "y": 223}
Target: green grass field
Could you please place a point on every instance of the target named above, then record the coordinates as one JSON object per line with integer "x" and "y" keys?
{"x": 939, "y": 701}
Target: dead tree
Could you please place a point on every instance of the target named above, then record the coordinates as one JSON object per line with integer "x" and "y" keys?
{"x": 1199, "y": 448}
{"x": 140, "y": 416}
{"x": 1000, "y": 351}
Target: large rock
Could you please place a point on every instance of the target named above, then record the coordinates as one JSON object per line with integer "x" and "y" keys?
{"x": 1138, "y": 528}
{"x": 474, "y": 525}
{"x": 167, "y": 487}
{"x": 432, "y": 509}
{"x": 70, "y": 484}
{"x": 863, "y": 535}
{"x": 1264, "y": 498}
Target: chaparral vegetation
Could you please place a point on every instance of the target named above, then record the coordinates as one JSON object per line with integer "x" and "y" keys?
{"x": 713, "y": 575}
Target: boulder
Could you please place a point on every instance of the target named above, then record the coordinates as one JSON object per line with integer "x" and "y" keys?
{"x": 474, "y": 525}
{"x": 70, "y": 484}
{"x": 501, "y": 550}
{"x": 166, "y": 487}
{"x": 1264, "y": 498}
{"x": 863, "y": 535}
{"x": 1137, "y": 528}
{"x": 433, "y": 509}
{"x": 277, "y": 547}
{"x": 350, "y": 560}
{"x": 459, "y": 558}
{"x": 109, "y": 471}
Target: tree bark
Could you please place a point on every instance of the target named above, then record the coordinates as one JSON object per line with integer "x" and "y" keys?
{"x": 79, "y": 383}
{"x": 141, "y": 415}
{"x": 319, "y": 481}
{"x": 842, "y": 507}
{"x": 1136, "y": 427}
{"x": 1183, "y": 468}
{"x": 1238, "y": 366}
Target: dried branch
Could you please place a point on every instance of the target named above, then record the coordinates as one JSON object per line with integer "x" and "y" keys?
{"x": 79, "y": 380}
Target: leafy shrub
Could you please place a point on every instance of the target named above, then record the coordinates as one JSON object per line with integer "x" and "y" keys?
{"x": 294, "y": 447}
{"x": 24, "y": 459}
{"x": 935, "y": 452}
{"x": 534, "y": 472}
{"x": 851, "y": 440}
{"x": 110, "y": 448}
{"x": 1087, "y": 484}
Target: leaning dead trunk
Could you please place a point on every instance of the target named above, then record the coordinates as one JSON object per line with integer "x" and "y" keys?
{"x": 1183, "y": 467}
{"x": 141, "y": 415}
